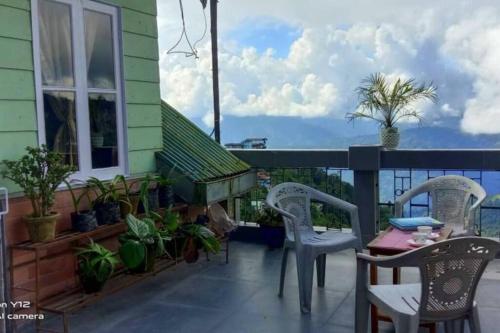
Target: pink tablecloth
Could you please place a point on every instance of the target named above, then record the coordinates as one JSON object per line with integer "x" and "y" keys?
{"x": 395, "y": 239}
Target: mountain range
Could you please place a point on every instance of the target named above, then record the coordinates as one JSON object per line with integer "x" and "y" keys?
{"x": 324, "y": 133}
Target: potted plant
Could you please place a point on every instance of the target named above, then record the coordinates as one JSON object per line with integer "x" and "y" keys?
{"x": 148, "y": 195}
{"x": 169, "y": 224}
{"x": 272, "y": 229}
{"x": 198, "y": 237}
{"x": 39, "y": 173}
{"x": 129, "y": 200}
{"x": 387, "y": 103}
{"x": 107, "y": 200}
{"x": 141, "y": 244}
{"x": 95, "y": 266}
{"x": 165, "y": 191}
{"x": 81, "y": 220}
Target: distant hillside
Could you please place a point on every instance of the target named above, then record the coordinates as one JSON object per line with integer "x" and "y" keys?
{"x": 430, "y": 137}
{"x": 288, "y": 132}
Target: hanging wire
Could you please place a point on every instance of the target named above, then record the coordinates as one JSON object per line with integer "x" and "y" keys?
{"x": 193, "y": 51}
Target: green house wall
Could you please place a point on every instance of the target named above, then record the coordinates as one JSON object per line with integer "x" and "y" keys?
{"x": 18, "y": 127}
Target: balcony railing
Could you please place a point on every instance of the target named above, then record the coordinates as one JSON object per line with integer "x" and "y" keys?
{"x": 373, "y": 178}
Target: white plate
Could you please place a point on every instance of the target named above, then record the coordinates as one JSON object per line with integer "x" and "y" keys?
{"x": 414, "y": 244}
{"x": 434, "y": 235}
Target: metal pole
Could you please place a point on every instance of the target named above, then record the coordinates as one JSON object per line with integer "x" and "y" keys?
{"x": 215, "y": 68}
{"x": 4, "y": 267}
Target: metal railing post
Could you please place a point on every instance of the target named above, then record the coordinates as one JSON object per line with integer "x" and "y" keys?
{"x": 365, "y": 163}
{"x": 4, "y": 267}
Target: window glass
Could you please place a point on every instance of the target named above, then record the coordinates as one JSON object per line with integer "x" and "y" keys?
{"x": 56, "y": 50}
{"x": 60, "y": 124}
{"x": 99, "y": 50}
{"x": 103, "y": 131}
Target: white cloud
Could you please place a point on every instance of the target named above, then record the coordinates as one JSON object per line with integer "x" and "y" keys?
{"x": 453, "y": 43}
{"x": 474, "y": 43}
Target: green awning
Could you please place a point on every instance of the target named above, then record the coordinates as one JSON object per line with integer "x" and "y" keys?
{"x": 205, "y": 171}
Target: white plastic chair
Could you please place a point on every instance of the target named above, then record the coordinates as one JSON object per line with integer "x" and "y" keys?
{"x": 293, "y": 202}
{"x": 450, "y": 196}
{"x": 449, "y": 272}
{"x": 221, "y": 221}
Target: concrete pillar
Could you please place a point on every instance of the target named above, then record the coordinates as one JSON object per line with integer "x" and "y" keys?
{"x": 365, "y": 163}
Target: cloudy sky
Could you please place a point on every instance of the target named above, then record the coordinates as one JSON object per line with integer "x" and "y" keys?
{"x": 304, "y": 58}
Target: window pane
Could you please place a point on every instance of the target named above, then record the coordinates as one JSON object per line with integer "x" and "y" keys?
{"x": 56, "y": 52}
{"x": 60, "y": 124}
{"x": 99, "y": 47}
{"x": 103, "y": 132}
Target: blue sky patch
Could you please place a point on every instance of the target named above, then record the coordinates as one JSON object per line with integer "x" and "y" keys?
{"x": 264, "y": 33}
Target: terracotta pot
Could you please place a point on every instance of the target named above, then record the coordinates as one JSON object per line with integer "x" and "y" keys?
{"x": 389, "y": 137}
{"x": 190, "y": 252}
{"x": 129, "y": 207}
{"x": 42, "y": 229}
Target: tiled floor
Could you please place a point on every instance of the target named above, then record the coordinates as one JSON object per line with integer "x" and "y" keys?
{"x": 242, "y": 297}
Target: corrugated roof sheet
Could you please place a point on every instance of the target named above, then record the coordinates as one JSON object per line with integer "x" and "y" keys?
{"x": 193, "y": 152}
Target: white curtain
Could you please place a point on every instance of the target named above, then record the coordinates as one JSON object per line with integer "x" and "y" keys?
{"x": 92, "y": 26}
{"x": 55, "y": 44}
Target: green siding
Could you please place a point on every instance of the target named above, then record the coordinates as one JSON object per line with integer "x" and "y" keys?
{"x": 142, "y": 93}
{"x": 15, "y": 54}
{"x": 144, "y": 138}
{"x": 16, "y": 85}
{"x": 139, "y": 69}
{"x": 18, "y": 127}
{"x": 140, "y": 46}
{"x": 15, "y": 23}
{"x": 21, "y": 4}
{"x": 139, "y": 23}
{"x": 13, "y": 144}
{"x": 142, "y": 161}
{"x": 17, "y": 116}
{"x": 140, "y": 115}
{"x": 141, "y": 6}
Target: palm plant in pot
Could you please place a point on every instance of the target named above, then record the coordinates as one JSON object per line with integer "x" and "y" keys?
{"x": 129, "y": 199}
{"x": 141, "y": 244}
{"x": 271, "y": 226}
{"x": 81, "y": 220}
{"x": 198, "y": 237}
{"x": 165, "y": 191}
{"x": 39, "y": 173}
{"x": 148, "y": 195}
{"x": 388, "y": 102}
{"x": 107, "y": 199}
{"x": 95, "y": 266}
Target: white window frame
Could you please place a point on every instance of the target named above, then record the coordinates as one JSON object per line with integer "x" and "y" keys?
{"x": 81, "y": 89}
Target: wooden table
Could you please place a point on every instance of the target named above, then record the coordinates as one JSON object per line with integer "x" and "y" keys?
{"x": 391, "y": 242}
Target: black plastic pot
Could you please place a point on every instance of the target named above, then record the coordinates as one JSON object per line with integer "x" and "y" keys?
{"x": 152, "y": 201}
{"x": 107, "y": 212}
{"x": 166, "y": 196}
{"x": 91, "y": 285}
{"x": 273, "y": 236}
{"x": 84, "y": 221}
{"x": 147, "y": 265}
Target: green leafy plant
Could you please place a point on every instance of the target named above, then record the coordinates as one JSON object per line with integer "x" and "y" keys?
{"x": 202, "y": 235}
{"x": 269, "y": 217}
{"x": 76, "y": 199}
{"x": 38, "y": 173}
{"x": 106, "y": 191}
{"x": 387, "y": 103}
{"x": 144, "y": 192}
{"x": 96, "y": 265}
{"x": 142, "y": 236}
